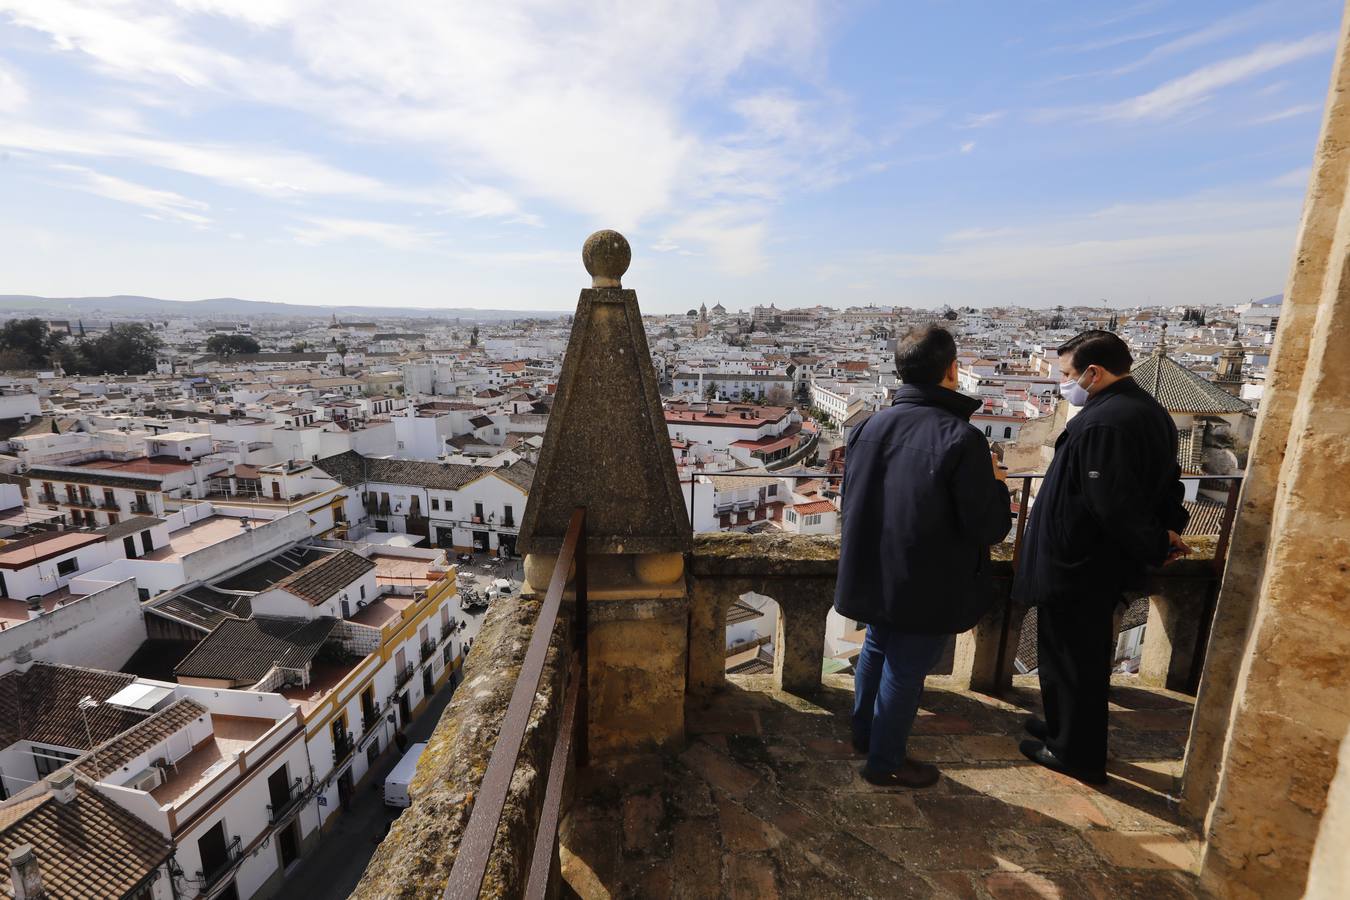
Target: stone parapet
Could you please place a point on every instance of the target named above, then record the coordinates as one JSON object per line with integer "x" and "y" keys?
{"x": 415, "y": 859}
{"x": 798, "y": 572}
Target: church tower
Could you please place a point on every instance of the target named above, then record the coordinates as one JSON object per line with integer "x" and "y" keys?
{"x": 1231, "y": 360}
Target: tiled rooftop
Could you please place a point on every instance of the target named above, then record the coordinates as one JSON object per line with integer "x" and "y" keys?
{"x": 321, "y": 579}
{"x": 765, "y": 801}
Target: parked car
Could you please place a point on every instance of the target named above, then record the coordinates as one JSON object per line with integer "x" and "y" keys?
{"x": 502, "y": 585}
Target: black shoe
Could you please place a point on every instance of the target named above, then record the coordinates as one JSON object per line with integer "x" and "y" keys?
{"x": 861, "y": 747}
{"x": 911, "y": 775}
{"x": 1041, "y": 755}
{"x": 1036, "y": 728}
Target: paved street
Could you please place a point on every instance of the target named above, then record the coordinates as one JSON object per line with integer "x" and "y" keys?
{"x": 332, "y": 869}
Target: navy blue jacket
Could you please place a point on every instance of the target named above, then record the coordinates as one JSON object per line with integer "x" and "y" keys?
{"x": 921, "y": 507}
{"x": 1108, "y": 500}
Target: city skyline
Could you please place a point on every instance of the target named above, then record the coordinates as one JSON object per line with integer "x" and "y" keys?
{"x": 790, "y": 153}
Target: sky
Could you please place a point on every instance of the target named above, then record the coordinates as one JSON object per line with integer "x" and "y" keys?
{"x": 406, "y": 153}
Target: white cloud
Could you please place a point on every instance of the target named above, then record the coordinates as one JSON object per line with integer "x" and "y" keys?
{"x": 1213, "y": 31}
{"x": 983, "y": 120}
{"x": 1190, "y": 90}
{"x": 569, "y": 102}
{"x": 324, "y": 230}
{"x": 1300, "y": 109}
{"x": 13, "y": 93}
{"x": 732, "y": 236}
{"x": 968, "y": 146}
{"x": 160, "y": 203}
{"x": 1298, "y": 178}
{"x": 1127, "y": 252}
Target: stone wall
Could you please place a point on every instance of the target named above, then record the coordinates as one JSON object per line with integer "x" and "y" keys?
{"x": 1289, "y": 693}
{"x": 798, "y": 571}
{"x": 414, "y": 861}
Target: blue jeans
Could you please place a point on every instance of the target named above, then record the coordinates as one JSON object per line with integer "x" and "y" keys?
{"x": 887, "y": 683}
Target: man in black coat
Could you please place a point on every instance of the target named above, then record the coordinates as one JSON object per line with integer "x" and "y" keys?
{"x": 1109, "y": 507}
{"x": 923, "y": 500}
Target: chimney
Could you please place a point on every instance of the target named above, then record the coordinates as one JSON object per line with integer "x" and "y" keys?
{"x": 25, "y": 874}
{"x": 62, "y": 784}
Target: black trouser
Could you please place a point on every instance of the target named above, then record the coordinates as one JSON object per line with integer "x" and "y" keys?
{"x": 1075, "y": 647}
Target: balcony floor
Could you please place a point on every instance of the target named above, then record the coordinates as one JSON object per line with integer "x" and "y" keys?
{"x": 766, "y": 801}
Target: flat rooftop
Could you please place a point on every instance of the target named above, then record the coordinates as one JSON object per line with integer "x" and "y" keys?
{"x": 202, "y": 533}
{"x": 399, "y": 569}
{"x": 145, "y": 465}
{"x": 231, "y": 736}
{"x": 26, "y": 551}
{"x": 323, "y": 678}
{"x": 386, "y": 608}
{"x": 14, "y": 611}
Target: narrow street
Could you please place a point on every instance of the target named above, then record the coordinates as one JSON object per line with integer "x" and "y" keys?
{"x": 332, "y": 869}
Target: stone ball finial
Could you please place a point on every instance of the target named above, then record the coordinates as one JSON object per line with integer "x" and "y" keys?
{"x": 606, "y": 255}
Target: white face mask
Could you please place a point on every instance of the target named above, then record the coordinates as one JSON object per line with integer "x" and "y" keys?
{"x": 1074, "y": 392}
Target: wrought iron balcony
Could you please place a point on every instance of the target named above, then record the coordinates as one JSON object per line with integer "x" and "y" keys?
{"x": 403, "y": 676}
{"x": 428, "y": 650}
{"x": 298, "y": 792}
{"x": 210, "y": 878}
{"x": 343, "y": 747}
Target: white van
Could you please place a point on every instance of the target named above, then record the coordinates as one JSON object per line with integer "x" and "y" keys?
{"x": 396, "y": 785}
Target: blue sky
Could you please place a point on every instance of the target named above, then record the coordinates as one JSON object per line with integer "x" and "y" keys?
{"x": 457, "y": 154}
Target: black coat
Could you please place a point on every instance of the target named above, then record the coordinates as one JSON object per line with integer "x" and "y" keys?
{"x": 1108, "y": 500}
{"x": 921, "y": 507}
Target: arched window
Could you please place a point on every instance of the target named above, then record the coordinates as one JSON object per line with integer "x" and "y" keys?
{"x": 988, "y": 430}
{"x": 1007, "y": 431}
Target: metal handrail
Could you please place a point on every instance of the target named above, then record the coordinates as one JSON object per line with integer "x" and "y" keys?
{"x": 475, "y": 847}
{"x": 233, "y": 853}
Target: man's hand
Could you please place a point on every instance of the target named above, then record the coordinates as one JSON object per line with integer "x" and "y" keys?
{"x": 1000, "y": 470}
{"x": 1176, "y": 548}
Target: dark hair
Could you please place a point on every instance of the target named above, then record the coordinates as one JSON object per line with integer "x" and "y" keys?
{"x": 1098, "y": 348}
{"x": 924, "y": 355}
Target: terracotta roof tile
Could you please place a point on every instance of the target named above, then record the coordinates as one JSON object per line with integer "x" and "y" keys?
{"x": 42, "y": 705}
{"x": 323, "y": 578}
{"x": 128, "y": 745}
{"x": 88, "y": 849}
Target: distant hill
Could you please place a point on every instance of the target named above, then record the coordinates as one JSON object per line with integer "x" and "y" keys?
{"x": 234, "y": 308}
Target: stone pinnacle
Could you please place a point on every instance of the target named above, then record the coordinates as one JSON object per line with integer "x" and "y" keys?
{"x": 606, "y": 255}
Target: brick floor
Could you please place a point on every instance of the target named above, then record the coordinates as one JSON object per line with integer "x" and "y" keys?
{"x": 765, "y": 801}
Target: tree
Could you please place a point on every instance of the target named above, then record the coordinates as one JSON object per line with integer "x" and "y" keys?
{"x": 223, "y": 346}
{"x": 710, "y": 392}
{"x": 950, "y": 315}
{"x": 299, "y": 347}
{"x": 130, "y": 348}
{"x": 473, "y": 337}
{"x": 28, "y": 344}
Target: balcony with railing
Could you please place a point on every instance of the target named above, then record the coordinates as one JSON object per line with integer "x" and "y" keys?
{"x": 296, "y": 795}
{"x": 212, "y": 878}
{"x": 343, "y": 747}
{"x": 427, "y": 650}
{"x": 404, "y": 675}
{"x": 624, "y": 760}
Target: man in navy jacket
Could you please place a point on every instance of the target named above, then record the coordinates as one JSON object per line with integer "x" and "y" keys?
{"x": 923, "y": 500}
{"x": 1110, "y": 506}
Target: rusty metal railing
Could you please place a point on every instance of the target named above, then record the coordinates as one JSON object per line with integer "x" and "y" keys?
{"x": 475, "y": 848}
